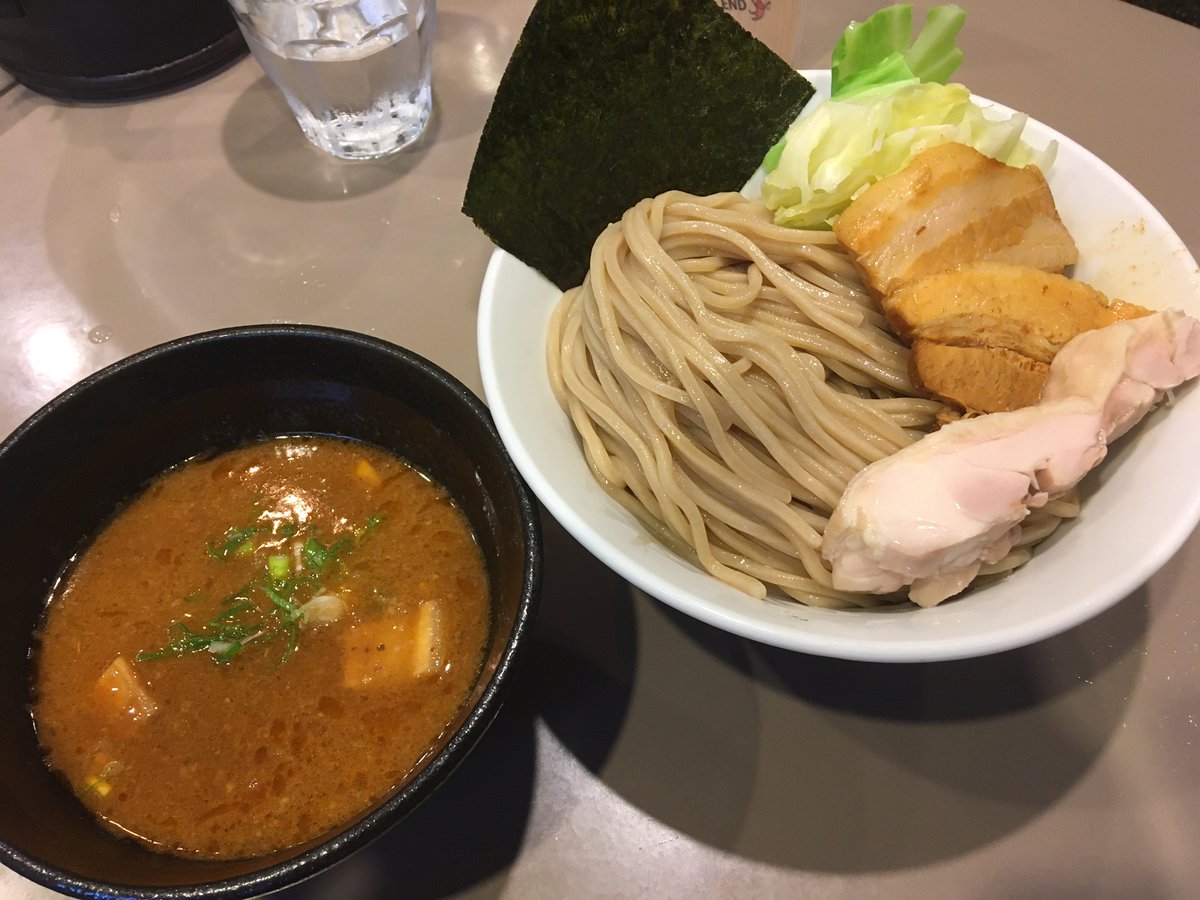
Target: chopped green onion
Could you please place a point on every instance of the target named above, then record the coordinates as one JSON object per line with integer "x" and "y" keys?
{"x": 224, "y": 651}
{"x": 106, "y": 774}
{"x": 233, "y": 611}
{"x": 184, "y": 642}
{"x": 372, "y": 523}
{"x": 243, "y": 618}
{"x": 319, "y": 557}
{"x": 285, "y": 604}
{"x": 293, "y": 633}
{"x": 241, "y": 595}
{"x": 235, "y": 541}
{"x": 315, "y": 555}
{"x": 278, "y": 567}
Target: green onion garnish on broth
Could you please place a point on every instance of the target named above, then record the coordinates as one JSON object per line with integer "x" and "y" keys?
{"x": 319, "y": 557}
{"x": 293, "y": 640}
{"x": 100, "y": 783}
{"x": 183, "y": 641}
{"x": 373, "y": 522}
{"x": 285, "y": 605}
{"x": 278, "y": 567}
{"x": 235, "y": 541}
{"x": 315, "y": 554}
{"x": 234, "y": 611}
{"x": 270, "y": 605}
{"x": 225, "y": 636}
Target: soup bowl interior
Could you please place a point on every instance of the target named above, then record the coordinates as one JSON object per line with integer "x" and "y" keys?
{"x": 67, "y": 469}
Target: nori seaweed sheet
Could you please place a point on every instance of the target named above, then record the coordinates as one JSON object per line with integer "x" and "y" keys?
{"x": 605, "y": 103}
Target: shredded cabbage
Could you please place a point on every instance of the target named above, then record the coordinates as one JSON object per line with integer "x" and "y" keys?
{"x": 842, "y": 147}
{"x": 889, "y": 101}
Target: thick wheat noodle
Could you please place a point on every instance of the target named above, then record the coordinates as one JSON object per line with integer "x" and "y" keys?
{"x": 727, "y": 378}
{"x": 683, "y": 357}
{"x": 819, "y": 343}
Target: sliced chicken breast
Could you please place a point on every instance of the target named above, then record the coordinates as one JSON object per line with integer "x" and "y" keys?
{"x": 929, "y": 516}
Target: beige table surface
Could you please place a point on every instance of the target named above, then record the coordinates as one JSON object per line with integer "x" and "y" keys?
{"x": 640, "y": 753}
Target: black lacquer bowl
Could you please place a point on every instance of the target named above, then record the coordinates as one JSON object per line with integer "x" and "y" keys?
{"x": 74, "y": 462}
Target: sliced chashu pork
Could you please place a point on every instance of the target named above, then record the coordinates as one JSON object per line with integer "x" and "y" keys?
{"x": 929, "y": 516}
{"x": 983, "y": 335}
{"x": 1031, "y": 311}
{"x": 978, "y": 379}
{"x": 950, "y": 206}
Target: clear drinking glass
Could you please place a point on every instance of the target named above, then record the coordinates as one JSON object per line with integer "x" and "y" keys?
{"x": 356, "y": 73}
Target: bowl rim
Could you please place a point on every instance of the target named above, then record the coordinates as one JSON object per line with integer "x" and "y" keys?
{"x": 374, "y": 823}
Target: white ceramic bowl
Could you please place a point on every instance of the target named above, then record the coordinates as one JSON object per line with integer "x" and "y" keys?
{"x": 1140, "y": 505}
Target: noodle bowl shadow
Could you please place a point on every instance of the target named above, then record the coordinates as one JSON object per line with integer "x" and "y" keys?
{"x": 66, "y": 470}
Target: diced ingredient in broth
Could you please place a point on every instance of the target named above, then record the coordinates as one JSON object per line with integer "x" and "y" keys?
{"x": 933, "y": 514}
{"x": 950, "y": 206}
{"x": 393, "y": 650}
{"x": 261, "y": 646}
{"x": 120, "y": 688}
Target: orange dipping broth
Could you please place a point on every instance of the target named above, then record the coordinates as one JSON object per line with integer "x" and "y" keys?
{"x": 261, "y": 646}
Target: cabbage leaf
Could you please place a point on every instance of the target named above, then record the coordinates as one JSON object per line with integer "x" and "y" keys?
{"x": 889, "y": 101}
{"x": 877, "y": 51}
{"x": 842, "y": 147}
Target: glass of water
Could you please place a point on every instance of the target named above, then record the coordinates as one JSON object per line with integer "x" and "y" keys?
{"x": 354, "y": 72}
